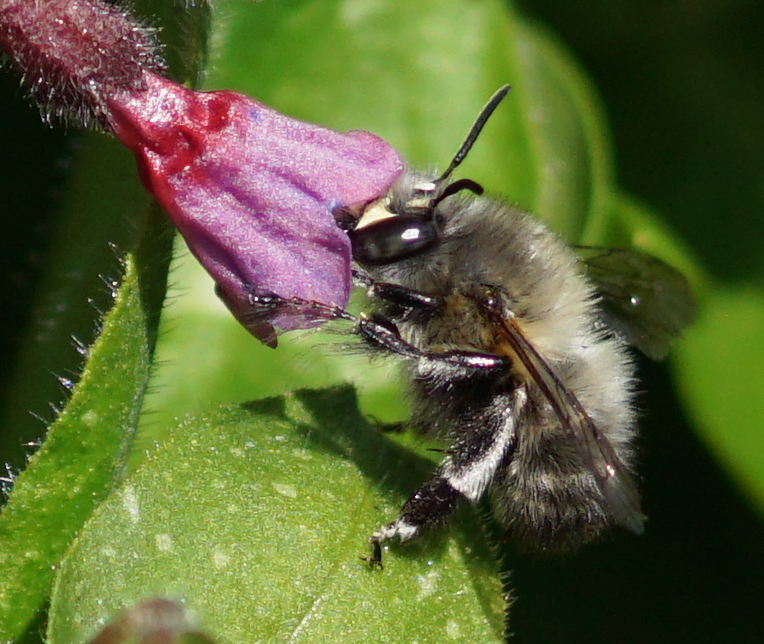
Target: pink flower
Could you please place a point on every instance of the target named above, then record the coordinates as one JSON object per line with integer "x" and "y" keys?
{"x": 253, "y": 191}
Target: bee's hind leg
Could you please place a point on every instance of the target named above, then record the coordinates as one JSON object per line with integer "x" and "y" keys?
{"x": 471, "y": 463}
{"x": 466, "y": 471}
{"x": 430, "y": 505}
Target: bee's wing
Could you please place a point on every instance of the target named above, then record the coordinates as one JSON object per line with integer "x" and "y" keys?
{"x": 644, "y": 300}
{"x": 615, "y": 482}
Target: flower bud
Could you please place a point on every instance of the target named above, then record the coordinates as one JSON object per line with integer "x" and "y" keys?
{"x": 72, "y": 54}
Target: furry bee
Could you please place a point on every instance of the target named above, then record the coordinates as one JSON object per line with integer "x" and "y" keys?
{"x": 515, "y": 360}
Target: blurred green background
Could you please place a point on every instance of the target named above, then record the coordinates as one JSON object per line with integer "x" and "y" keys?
{"x": 681, "y": 84}
{"x": 681, "y": 87}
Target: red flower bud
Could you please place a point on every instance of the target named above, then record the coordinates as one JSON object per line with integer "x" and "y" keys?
{"x": 74, "y": 53}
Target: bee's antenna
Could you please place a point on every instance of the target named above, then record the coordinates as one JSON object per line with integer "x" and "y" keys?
{"x": 474, "y": 132}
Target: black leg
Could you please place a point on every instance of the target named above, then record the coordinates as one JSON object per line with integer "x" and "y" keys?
{"x": 406, "y": 298}
{"x": 464, "y": 473}
{"x": 380, "y": 333}
{"x": 431, "y": 504}
{"x": 272, "y": 304}
{"x": 377, "y": 332}
{"x": 392, "y": 428}
{"x": 395, "y": 294}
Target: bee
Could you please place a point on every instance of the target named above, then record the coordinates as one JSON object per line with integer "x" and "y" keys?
{"x": 515, "y": 357}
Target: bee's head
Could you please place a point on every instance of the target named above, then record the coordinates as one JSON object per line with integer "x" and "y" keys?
{"x": 405, "y": 222}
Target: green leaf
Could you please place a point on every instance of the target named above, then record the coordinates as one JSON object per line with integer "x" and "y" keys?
{"x": 98, "y": 219}
{"x": 718, "y": 369}
{"x": 109, "y": 240}
{"x": 85, "y": 449}
{"x": 257, "y": 516}
{"x": 419, "y": 78}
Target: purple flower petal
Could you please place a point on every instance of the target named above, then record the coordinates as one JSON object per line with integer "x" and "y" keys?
{"x": 252, "y": 192}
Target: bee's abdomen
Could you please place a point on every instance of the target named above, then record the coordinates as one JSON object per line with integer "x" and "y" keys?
{"x": 544, "y": 495}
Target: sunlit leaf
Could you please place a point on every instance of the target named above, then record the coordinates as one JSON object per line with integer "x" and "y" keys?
{"x": 718, "y": 368}
{"x": 258, "y": 516}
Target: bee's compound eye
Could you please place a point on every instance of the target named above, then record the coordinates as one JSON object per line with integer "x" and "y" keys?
{"x": 393, "y": 239}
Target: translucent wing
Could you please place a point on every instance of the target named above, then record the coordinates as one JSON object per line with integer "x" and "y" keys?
{"x": 614, "y": 480}
{"x": 644, "y": 299}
